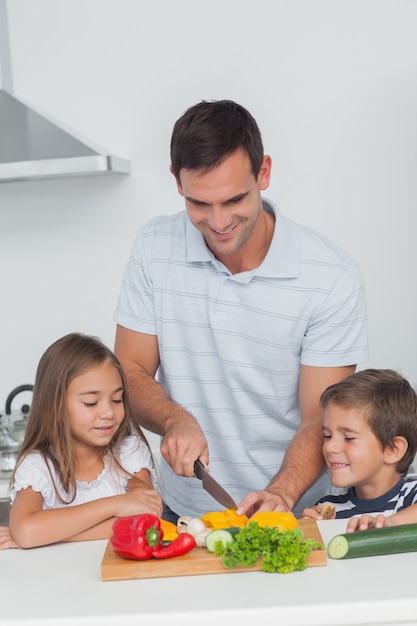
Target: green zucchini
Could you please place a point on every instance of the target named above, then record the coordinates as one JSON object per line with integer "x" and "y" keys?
{"x": 374, "y": 542}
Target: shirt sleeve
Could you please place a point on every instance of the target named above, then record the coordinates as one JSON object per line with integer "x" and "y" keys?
{"x": 134, "y": 455}
{"x": 135, "y": 307}
{"x": 339, "y": 334}
{"x": 33, "y": 472}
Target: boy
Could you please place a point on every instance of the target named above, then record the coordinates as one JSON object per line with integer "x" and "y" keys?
{"x": 370, "y": 440}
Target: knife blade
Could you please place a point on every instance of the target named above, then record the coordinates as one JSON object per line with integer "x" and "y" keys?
{"x": 212, "y": 486}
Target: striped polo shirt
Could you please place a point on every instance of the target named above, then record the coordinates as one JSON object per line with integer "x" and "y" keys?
{"x": 231, "y": 345}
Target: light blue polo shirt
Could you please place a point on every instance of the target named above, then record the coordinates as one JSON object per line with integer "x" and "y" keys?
{"x": 231, "y": 346}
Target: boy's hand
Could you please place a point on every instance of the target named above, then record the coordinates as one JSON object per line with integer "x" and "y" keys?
{"x": 364, "y": 522}
{"x": 312, "y": 513}
{"x": 320, "y": 512}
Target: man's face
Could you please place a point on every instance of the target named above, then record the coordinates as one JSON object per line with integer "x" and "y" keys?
{"x": 224, "y": 204}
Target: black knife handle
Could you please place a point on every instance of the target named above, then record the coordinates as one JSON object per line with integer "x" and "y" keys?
{"x": 198, "y": 466}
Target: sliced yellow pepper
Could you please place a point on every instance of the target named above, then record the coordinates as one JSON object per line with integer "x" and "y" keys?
{"x": 170, "y": 530}
{"x": 281, "y": 520}
{"x": 224, "y": 519}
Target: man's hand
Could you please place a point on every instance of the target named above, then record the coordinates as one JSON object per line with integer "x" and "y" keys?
{"x": 261, "y": 501}
{"x": 184, "y": 443}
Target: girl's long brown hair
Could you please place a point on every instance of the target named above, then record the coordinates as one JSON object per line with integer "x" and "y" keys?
{"x": 47, "y": 429}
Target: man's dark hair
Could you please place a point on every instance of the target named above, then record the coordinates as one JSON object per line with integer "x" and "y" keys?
{"x": 209, "y": 132}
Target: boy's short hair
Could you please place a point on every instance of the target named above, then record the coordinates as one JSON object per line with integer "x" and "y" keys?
{"x": 209, "y": 132}
{"x": 388, "y": 402}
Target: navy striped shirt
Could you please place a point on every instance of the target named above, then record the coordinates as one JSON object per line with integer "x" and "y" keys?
{"x": 347, "y": 504}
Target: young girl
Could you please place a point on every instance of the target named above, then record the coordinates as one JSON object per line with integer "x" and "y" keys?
{"x": 84, "y": 459}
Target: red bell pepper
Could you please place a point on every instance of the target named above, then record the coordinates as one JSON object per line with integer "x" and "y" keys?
{"x": 179, "y": 546}
{"x": 137, "y": 536}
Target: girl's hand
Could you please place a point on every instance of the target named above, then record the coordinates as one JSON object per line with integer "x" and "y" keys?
{"x": 364, "y": 522}
{"x": 6, "y": 539}
{"x": 138, "y": 501}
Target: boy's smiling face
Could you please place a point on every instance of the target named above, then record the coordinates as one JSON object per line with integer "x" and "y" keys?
{"x": 354, "y": 455}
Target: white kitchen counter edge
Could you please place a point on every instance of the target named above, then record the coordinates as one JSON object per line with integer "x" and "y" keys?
{"x": 381, "y": 613}
{"x": 45, "y": 585}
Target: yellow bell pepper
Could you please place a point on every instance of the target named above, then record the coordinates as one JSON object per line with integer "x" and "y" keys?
{"x": 281, "y": 520}
{"x": 170, "y": 530}
{"x": 224, "y": 519}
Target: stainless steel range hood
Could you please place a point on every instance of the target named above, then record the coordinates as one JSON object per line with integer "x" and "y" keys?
{"x": 31, "y": 145}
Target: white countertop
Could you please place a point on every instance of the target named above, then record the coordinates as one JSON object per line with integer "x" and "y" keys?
{"x": 61, "y": 585}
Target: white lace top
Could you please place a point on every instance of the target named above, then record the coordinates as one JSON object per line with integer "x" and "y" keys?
{"x": 133, "y": 455}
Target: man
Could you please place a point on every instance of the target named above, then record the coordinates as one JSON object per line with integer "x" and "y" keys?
{"x": 246, "y": 317}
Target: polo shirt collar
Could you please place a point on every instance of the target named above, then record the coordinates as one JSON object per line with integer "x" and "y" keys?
{"x": 281, "y": 260}
{"x": 196, "y": 249}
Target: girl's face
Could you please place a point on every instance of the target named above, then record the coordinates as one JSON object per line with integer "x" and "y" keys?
{"x": 95, "y": 405}
{"x": 354, "y": 455}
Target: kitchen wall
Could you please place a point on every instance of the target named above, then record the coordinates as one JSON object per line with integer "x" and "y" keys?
{"x": 333, "y": 85}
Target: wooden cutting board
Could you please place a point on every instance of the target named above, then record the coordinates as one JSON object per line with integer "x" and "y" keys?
{"x": 198, "y": 561}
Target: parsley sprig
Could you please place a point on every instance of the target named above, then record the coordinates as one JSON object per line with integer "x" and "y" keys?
{"x": 282, "y": 551}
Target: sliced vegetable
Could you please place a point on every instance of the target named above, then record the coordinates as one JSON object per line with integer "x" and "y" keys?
{"x": 217, "y": 540}
{"x": 169, "y": 529}
{"x": 374, "y": 542}
{"x": 224, "y": 519}
{"x": 275, "y": 519}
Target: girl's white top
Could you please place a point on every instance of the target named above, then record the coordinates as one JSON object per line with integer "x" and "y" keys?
{"x": 133, "y": 455}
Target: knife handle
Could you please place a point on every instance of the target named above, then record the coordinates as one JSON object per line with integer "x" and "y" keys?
{"x": 198, "y": 466}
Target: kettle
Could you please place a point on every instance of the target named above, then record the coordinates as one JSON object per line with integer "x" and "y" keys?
{"x": 12, "y": 431}
{"x": 17, "y": 423}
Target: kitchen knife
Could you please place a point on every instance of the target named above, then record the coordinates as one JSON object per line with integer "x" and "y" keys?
{"x": 213, "y": 487}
